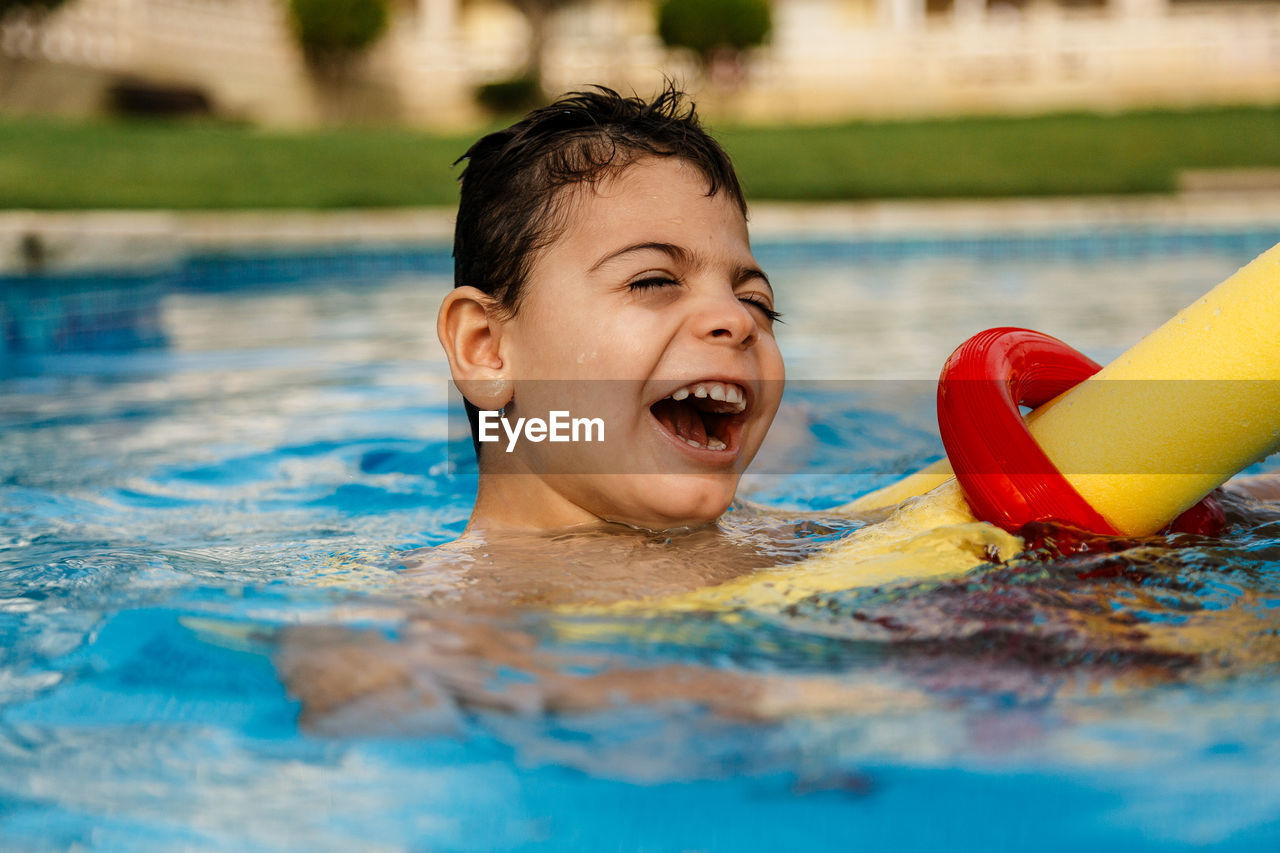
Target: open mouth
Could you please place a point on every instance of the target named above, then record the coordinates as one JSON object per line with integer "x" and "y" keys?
{"x": 707, "y": 415}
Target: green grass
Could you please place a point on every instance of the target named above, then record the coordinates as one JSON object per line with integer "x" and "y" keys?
{"x": 1046, "y": 155}
{"x": 51, "y": 165}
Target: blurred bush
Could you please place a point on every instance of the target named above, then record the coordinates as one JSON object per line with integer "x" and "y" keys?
{"x": 332, "y": 32}
{"x": 513, "y": 95}
{"x": 714, "y": 28}
{"x": 37, "y": 6}
{"x": 334, "y": 35}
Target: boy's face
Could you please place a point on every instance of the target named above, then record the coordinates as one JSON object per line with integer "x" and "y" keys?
{"x": 650, "y": 291}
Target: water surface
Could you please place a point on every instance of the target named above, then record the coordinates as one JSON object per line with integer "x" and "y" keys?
{"x": 230, "y": 461}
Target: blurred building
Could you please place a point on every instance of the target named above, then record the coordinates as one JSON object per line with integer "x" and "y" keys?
{"x": 828, "y": 58}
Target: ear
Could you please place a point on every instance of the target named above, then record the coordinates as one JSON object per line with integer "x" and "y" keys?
{"x": 470, "y": 330}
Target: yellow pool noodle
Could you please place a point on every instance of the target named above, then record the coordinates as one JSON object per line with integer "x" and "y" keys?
{"x": 1182, "y": 411}
{"x": 925, "y": 480}
{"x": 1171, "y": 419}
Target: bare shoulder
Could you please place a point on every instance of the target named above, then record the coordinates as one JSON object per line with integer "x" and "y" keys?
{"x": 442, "y": 573}
{"x": 609, "y": 563}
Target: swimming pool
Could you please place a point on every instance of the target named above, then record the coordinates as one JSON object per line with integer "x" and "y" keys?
{"x": 192, "y": 461}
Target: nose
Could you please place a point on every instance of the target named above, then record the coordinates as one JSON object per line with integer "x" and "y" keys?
{"x": 722, "y": 318}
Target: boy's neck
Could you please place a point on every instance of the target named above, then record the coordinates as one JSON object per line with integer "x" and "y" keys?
{"x": 518, "y": 502}
{"x": 525, "y": 503}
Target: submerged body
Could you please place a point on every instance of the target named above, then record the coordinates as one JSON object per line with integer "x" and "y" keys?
{"x": 955, "y": 607}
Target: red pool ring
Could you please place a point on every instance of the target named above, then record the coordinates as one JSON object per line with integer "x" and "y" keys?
{"x": 1006, "y": 477}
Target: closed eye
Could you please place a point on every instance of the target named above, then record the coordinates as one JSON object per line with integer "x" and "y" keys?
{"x": 652, "y": 282}
{"x": 762, "y": 306}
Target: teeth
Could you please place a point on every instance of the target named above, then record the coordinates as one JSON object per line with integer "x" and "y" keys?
{"x": 714, "y": 443}
{"x": 692, "y": 443}
{"x": 719, "y": 391}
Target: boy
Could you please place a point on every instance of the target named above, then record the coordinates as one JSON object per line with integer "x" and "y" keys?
{"x": 603, "y": 275}
{"x": 603, "y": 271}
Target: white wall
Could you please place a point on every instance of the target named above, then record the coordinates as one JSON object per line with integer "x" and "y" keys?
{"x": 828, "y": 58}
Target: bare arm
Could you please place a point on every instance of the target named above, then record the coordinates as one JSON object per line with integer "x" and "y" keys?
{"x": 1263, "y": 487}
{"x": 357, "y": 680}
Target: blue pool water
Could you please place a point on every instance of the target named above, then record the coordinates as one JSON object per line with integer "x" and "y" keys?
{"x": 197, "y": 461}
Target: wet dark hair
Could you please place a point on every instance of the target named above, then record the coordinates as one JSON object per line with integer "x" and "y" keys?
{"x": 513, "y": 200}
{"x": 512, "y": 204}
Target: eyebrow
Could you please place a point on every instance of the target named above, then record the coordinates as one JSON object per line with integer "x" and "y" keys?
{"x": 677, "y": 253}
{"x": 746, "y": 274}
{"x": 681, "y": 255}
